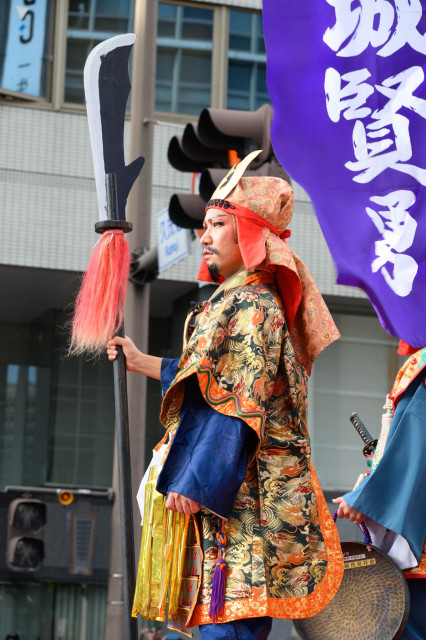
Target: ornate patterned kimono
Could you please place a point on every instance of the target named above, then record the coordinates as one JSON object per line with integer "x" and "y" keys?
{"x": 283, "y": 556}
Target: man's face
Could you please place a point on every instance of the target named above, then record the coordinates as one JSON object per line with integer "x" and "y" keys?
{"x": 221, "y": 251}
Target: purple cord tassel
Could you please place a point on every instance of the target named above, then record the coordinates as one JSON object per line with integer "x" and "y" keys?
{"x": 363, "y": 527}
{"x": 217, "y": 601}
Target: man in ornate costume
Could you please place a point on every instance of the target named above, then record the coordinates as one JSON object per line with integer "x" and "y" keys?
{"x": 235, "y": 410}
{"x": 391, "y": 500}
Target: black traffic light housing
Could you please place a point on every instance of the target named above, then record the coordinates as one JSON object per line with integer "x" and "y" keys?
{"x": 211, "y": 178}
{"x": 210, "y": 148}
{"x": 243, "y": 131}
{"x": 27, "y": 519}
{"x": 187, "y": 210}
{"x": 189, "y": 153}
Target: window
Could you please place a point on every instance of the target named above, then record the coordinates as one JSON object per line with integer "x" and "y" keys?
{"x": 24, "y": 418}
{"x": 184, "y": 59}
{"x": 90, "y": 22}
{"x": 53, "y": 610}
{"x": 247, "y": 62}
{"x": 207, "y": 55}
{"x": 81, "y": 436}
{"x": 56, "y": 412}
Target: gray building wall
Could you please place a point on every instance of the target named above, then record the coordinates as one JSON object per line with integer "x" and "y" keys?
{"x": 49, "y": 198}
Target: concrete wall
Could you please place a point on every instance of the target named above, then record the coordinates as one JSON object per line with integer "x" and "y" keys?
{"x": 49, "y": 201}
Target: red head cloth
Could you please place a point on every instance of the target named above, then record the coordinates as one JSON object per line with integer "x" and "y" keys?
{"x": 406, "y": 349}
{"x": 263, "y": 207}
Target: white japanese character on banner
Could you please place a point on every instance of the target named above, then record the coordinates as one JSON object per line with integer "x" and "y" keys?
{"x": 397, "y": 228}
{"x": 348, "y": 98}
{"x": 379, "y": 23}
{"x": 372, "y": 143}
{"x": 406, "y": 83}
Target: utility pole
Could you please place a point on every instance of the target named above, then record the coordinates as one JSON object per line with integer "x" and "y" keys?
{"x": 137, "y": 305}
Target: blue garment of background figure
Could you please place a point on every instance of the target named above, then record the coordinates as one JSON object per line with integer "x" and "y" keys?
{"x": 394, "y": 495}
{"x": 208, "y": 456}
{"x": 250, "y": 629}
{"x": 416, "y": 624}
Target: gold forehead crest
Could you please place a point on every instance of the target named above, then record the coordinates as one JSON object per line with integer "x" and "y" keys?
{"x": 232, "y": 177}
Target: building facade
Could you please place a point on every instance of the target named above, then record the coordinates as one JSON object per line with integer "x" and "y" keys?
{"x": 56, "y": 412}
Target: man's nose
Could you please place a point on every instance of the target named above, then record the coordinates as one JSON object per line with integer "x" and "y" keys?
{"x": 205, "y": 238}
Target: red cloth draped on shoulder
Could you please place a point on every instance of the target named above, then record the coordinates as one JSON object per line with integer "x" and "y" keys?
{"x": 406, "y": 349}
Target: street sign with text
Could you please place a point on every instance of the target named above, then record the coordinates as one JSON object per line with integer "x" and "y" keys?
{"x": 173, "y": 242}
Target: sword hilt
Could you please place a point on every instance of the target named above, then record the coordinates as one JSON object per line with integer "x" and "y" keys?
{"x": 370, "y": 443}
{"x": 113, "y": 214}
{"x": 360, "y": 427}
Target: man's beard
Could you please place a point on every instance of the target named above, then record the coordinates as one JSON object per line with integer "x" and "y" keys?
{"x": 214, "y": 272}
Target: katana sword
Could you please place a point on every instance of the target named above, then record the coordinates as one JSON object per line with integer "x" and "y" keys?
{"x": 369, "y": 441}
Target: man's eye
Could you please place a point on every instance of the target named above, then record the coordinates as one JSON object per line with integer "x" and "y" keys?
{"x": 217, "y": 224}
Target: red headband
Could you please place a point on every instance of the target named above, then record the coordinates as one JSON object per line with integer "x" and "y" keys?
{"x": 243, "y": 212}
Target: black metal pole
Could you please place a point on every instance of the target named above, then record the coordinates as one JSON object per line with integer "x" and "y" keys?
{"x": 125, "y": 490}
{"x": 122, "y": 436}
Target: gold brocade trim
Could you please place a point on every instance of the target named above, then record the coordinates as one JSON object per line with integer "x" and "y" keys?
{"x": 148, "y": 580}
{"x": 180, "y": 530}
{"x": 224, "y": 402}
{"x": 293, "y": 608}
{"x": 241, "y": 278}
{"x": 160, "y": 585}
{"x": 420, "y": 570}
{"x": 409, "y": 370}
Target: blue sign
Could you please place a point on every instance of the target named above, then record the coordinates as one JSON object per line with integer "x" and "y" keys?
{"x": 24, "y": 63}
{"x": 173, "y": 242}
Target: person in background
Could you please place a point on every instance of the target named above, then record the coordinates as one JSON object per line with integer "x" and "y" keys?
{"x": 391, "y": 500}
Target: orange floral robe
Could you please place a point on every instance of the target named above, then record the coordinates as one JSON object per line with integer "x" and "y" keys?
{"x": 283, "y": 555}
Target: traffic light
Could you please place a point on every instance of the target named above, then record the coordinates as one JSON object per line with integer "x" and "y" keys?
{"x": 25, "y": 535}
{"x": 187, "y": 211}
{"x": 211, "y": 147}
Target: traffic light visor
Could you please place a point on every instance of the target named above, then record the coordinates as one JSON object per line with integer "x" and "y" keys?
{"x": 243, "y": 131}
{"x": 29, "y": 516}
{"x": 26, "y": 554}
{"x": 187, "y": 211}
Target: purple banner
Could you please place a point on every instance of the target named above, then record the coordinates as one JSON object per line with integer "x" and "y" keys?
{"x": 348, "y": 86}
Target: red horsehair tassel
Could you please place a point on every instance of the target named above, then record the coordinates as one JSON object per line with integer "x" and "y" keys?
{"x": 98, "y": 312}
{"x": 217, "y": 601}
